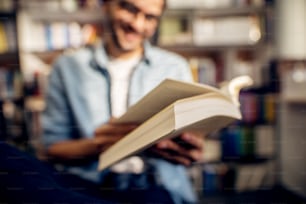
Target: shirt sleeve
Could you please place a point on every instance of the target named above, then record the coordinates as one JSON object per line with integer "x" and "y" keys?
{"x": 179, "y": 68}
{"x": 57, "y": 120}
{"x": 184, "y": 71}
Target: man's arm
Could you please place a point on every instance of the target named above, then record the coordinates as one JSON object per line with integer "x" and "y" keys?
{"x": 68, "y": 150}
{"x": 82, "y": 149}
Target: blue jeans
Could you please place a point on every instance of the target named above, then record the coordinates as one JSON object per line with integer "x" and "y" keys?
{"x": 24, "y": 179}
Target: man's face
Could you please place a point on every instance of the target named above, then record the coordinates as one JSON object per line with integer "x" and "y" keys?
{"x": 132, "y": 21}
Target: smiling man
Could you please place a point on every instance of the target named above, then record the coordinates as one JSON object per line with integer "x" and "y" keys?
{"x": 91, "y": 86}
{"x": 130, "y": 24}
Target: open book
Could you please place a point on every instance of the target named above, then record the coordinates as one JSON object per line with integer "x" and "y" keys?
{"x": 172, "y": 108}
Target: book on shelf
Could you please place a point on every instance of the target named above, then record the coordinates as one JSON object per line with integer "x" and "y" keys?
{"x": 172, "y": 108}
{"x": 3, "y": 39}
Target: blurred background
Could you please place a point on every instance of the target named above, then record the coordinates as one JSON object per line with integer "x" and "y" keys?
{"x": 260, "y": 159}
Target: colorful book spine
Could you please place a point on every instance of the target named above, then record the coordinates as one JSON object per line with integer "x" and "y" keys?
{"x": 258, "y": 108}
{"x": 3, "y": 39}
{"x": 10, "y": 84}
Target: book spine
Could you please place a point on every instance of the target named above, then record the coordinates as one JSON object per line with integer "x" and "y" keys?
{"x": 10, "y": 84}
{"x": 3, "y": 39}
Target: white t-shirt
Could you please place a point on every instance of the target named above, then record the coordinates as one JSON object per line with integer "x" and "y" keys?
{"x": 120, "y": 72}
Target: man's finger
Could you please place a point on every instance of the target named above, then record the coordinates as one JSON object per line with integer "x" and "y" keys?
{"x": 195, "y": 140}
{"x": 170, "y": 156}
{"x": 177, "y": 150}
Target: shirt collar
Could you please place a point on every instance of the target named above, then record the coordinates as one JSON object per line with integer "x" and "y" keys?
{"x": 147, "y": 56}
{"x": 101, "y": 58}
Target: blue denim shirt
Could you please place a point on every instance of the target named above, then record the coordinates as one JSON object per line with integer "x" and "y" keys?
{"x": 78, "y": 101}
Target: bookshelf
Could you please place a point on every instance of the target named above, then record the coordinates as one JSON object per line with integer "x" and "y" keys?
{"x": 292, "y": 124}
{"x": 63, "y": 27}
{"x": 223, "y": 36}
{"x": 204, "y": 27}
{"x": 83, "y": 15}
{"x": 244, "y": 156}
{"x": 293, "y": 74}
{"x": 222, "y": 40}
{"x": 57, "y": 27}
{"x": 291, "y": 61}
{"x": 12, "y": 119}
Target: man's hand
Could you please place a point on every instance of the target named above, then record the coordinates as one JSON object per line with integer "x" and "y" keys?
{"x": 83, "y": 149}
{"x": 185, "y": 149}
{"x": 109, "y": 133}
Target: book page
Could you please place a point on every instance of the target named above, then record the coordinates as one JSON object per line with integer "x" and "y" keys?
{"x": 234, "y": 86}
{"x": 171, "y": 90}
{"x": 163, "y": 95}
